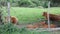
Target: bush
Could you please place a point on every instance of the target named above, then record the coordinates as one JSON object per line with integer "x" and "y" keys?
{"x": 45, "y": 5}
{"x": 26, "y": 3}
{"x": 9, "y": 28}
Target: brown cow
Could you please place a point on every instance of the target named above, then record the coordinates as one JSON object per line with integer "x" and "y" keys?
{"x": 52, "y": 16}
{"x": 13, "y": 19}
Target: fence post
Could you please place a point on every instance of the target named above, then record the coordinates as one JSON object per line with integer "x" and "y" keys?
{"x": 8, "y": 10}
{"x": 48, "y": 16}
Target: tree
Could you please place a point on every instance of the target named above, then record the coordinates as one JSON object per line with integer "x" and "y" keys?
{"x": 56, "y": 1}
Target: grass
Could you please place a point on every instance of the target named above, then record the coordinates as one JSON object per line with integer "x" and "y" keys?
{"x": 31, "y": 15}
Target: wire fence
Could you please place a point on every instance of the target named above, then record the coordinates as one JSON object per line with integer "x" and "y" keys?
{"x": 46, "y": 30}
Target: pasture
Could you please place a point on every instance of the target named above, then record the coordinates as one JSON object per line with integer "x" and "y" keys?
{"x": 31, "y": 15}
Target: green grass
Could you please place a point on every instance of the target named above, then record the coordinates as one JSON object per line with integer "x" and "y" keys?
{"x": 30, "y": 15}
{"x": 27, "y": 15}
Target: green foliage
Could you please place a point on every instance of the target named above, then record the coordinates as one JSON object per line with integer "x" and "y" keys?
{"x": 8, "y": 29}
{"x": 25, "y": 3}
{"x": 31, "y": 3}
{"x": 1, "y": 14}
{"x": 45, "y": 4}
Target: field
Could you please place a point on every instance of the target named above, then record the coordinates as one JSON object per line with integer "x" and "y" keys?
{"x": 31, "y": 15}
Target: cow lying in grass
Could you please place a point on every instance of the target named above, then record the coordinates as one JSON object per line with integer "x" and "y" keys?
{"x": 52, "y": 16}
{"x": 44, "y": 25}
{"x": 13, "y": 19}
{"x": 40, "y": 25}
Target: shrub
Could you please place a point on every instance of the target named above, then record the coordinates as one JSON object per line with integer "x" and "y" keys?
{"x": 8, "y": 28}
